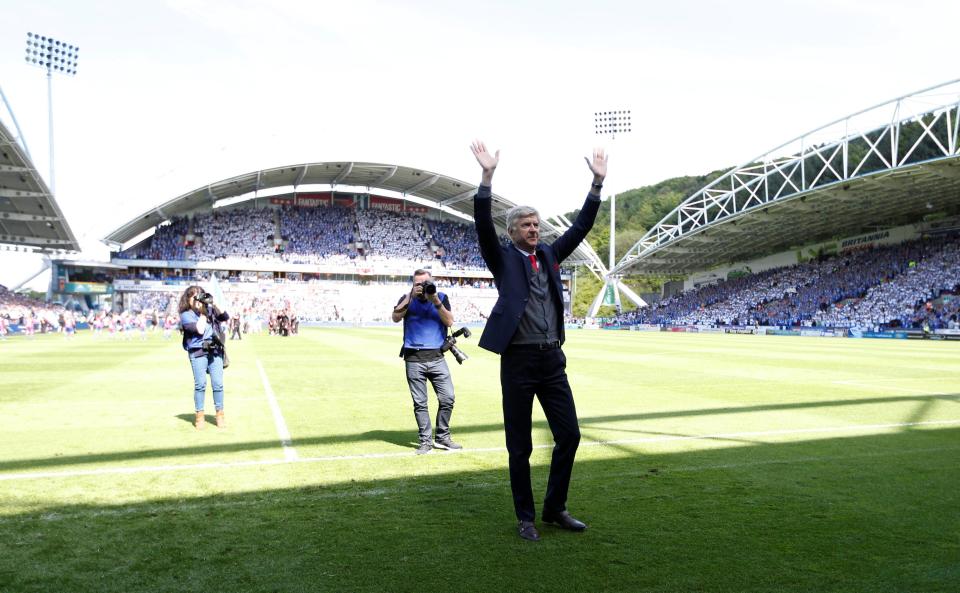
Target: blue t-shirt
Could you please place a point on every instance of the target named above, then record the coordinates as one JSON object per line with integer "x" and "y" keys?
{"x": 422, "y": 327}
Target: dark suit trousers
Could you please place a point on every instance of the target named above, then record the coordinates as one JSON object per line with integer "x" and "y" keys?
{"x": 523, "y": 374}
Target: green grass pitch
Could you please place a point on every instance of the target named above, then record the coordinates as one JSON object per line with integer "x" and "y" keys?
{"x": 708, "y": 463}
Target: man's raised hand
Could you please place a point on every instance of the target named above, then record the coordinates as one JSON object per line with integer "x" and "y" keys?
{"x": 488, "y": 162}
{"x": 599, "y": 165}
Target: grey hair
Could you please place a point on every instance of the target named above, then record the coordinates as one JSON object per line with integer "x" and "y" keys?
{"x": 518, "y": 212}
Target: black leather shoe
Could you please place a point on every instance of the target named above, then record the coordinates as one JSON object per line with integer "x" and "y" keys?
{"x": 564, "y": 521}
{"x": 528, "y": 531}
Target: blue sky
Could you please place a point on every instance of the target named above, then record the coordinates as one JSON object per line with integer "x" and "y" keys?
{"x": 172, "y": 95}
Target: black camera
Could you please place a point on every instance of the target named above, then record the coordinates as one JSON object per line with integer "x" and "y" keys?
{"x": 429, "y": 288}
{"x": 205, "y": 297}
{"x": 450, "y": 343}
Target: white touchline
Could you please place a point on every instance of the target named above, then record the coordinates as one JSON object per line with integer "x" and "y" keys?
{"x": 289, "y": 453}
{"x": 471, "y": 451}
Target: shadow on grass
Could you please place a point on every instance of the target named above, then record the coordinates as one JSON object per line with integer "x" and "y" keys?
{"x": 860, "y": 514}
{"x": 401, "y": 438}
{"x": 405, "y": 438}
{"x": 189, "y": 418}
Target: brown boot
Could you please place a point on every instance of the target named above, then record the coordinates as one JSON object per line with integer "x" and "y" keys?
{"x": 221, "y": 422}
{"x": 200, "y": 421}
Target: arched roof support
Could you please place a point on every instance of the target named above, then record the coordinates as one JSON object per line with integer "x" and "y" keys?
{"x": 865, "y": 167}
{"x": 423, "y": 187}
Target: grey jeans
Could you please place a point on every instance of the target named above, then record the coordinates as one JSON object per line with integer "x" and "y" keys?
{"x": 436, "y": 371}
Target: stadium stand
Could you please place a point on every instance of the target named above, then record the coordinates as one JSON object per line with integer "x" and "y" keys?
{"x": 893, "y": 286}
{"x": 312, "y": 236}
{"x": 907, "y": 285}
{"x": 457, "y": 245}
{"x": 167, "y": 243}
{"x": 391, "y": 235}
{"x": 234, "y": 233}
{"x": 152, "y": 302}
{"x": 912, "y": 297}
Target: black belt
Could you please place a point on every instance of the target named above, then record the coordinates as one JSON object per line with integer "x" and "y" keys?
{"x": 541, "y": 346}
{"x": 421, "y": 354}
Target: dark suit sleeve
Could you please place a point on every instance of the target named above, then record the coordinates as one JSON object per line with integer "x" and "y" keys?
{"x": 486, "y": 232}
{"x": 573, "y": 236}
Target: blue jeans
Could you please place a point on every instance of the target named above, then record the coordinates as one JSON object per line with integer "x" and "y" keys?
{"x": 212, "y": 364}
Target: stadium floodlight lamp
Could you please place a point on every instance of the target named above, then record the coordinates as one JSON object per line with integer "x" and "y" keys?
{"x": 52, "y": 55}
{"x": 611, "y": 123}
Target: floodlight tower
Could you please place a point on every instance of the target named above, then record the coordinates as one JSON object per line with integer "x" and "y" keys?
{"x": 610, "y": 123}
{"x": 54, "y": 56}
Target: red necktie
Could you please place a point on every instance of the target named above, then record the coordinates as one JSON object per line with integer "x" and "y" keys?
{"x": 533, "y": 262}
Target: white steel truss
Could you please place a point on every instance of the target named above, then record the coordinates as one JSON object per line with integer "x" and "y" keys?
{"x": 890, "y": 138}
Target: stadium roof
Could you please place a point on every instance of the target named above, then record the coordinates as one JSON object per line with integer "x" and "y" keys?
{"x": 29, "y": 216}
{"x": 883, "y": 166}
{"x": 432, "y": 189}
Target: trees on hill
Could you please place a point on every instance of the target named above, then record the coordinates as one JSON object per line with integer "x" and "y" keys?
{"x": 637, "y": 211}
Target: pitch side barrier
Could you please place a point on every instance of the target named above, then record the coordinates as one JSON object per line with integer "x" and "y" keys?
{"x": 893, "y": 334}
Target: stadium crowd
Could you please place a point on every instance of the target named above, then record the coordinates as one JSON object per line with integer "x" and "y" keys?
{"x": 890, "y": 286}
{"x": 318, "y": 233}
{"x": 336, "y": 235}
{"x": 26, "y": 311}
{"x": 905, "y": 285}
{"x": 167, "y": 243}
{"x": 393, "y": 236}
{"x": 911, "y": 298}
{"x": 457, "y": 245}
{"x": 256, "y": 303}
{"x": 238, "y": 233}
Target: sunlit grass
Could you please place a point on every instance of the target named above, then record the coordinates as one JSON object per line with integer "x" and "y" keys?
{"x": 708, "y": 462}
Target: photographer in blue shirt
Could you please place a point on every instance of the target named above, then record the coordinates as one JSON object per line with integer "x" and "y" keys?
{"x": 426, "y": 316}
{"x": 203, "y": 339}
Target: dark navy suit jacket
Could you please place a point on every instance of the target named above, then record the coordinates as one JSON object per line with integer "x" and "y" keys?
{"x": 511, "y": 270}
